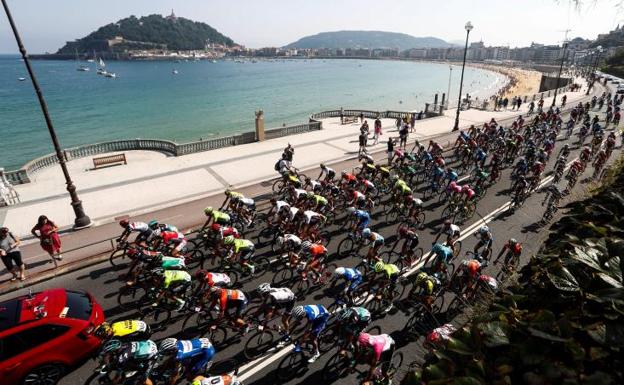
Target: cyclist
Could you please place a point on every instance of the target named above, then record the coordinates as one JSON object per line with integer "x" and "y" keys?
{"x": 218, "y": 232}
{"x": 224, "y": 379}
{"x": 348, "y": 179}
{"x": 415, "y": 206}
{"x": 469, "y": 271}
{"x": 191, "y": 357}
{"x": 511, "y": 249}
{"x": 328, "y": 172}
{"x": 123, "y": 330}
{"x": 317, "y": 253}
{"x": 318, "y": 203}
{"x": 227, "y": 300}
{"x": 245, "y": 207}
{"x": 468, "y": 194}
{"x": 424, "y": 289}
{"x": 352, "y": 277}
{"x": 209, "y": 279}
{"x": 215, "y": 216}
{"x": 242, "y": 250}
{"x": 382, "y": 348}
{"x": 553, "y": 196}
{"x": 173, "y": 283}
{"x": 443, "y": 255}
{"x": 275, "y": 299}
{"x": 144, "y": 235}
{"x": 158, "y": 227}
{"x": 312, "y": 221}
{"x": 410, "y": 240}
{"x": 126, "y": 357}
{"x": 353, "y": 321}
{"x": 376, "y": 242}
{"x": 291, "y": 244}
{"x": 317, "y": 317}
{"x": 389, "y": 277}
{"x": 358, "y": 199}
{"x": 362, "y": 219}
{"x": 485, "y": 241}
{"x": 439, "y": 336}
{"x": 452, "y": 231}
{"x": 175, "y": 240}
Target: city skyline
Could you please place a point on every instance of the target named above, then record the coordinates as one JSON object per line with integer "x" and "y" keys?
{"x": 264, "y": 24}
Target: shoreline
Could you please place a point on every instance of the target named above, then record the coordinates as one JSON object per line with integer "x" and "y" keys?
{"x": 521, "y": 82}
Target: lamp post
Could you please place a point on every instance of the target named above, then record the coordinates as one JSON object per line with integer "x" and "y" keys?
{"x": 593, "y": 66}
{"x": 565, "y": 46}
{"x": 448, "y": 92}
{"x": 468, "y": 28}
{"x": 82, "y": 220}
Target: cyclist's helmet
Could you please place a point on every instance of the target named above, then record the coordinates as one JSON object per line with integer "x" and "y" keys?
{"x": 339, "y": 271}
{"x": 273, "y": 201}
{"x": 229, "y": 240}
{"x": 103, "y": 331}
{"x": 279, "y": 241}
{"x": 379, "y": 266}
{"x": 484, "y": 230}
{"x": 447, "y": 223}
{"x": 351, "y": 210}
{"x": 201, "y": 274}
{"x": 215, "y": 291}
{"x": 168, "y": 346}
{"x": 124, "y": 223}
{"x": 434, "y": 337}
{"x": 305, "y": 245}
{"x": 158, "y": 272}
{"x": 215, "y": 227}
{"x": 366, "y": 232}
{"x": 343, "y": 315}
{"x": 208, "y": 210}
{"x": 322, "y": 165}
{"x": 343, "y": 173}
{"x": 473, "y": 268}
{"x": 111, "y": 346}
{"x": 403, "y": 230}
{"x": 513, "y": 242}
{"x": 132, "y": 252}
{"x": 298, "y": 312}
{"x": 363, "y": 338}
{"x": 465, "y": 187}
{"x": 310, "y": 194}
{"x": 264, "y": 288}
{"x": 153, "y": 224}
{"x": 228, "y": 192}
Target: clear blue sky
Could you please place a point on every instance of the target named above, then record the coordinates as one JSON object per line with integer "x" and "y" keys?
{"x": 45, "y": 25}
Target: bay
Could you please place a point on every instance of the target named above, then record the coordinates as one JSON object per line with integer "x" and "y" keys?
{"x": 205, "y": 99}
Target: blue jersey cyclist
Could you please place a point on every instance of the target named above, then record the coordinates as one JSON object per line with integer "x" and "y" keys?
{"x": 317, "y": 317}
{"x": 443, "y": 255}
{"x": 352, "y": 277}
{"x": 376, "y": 242}
{"x": 362, "y": 218}
{"x": 193, "y": 355}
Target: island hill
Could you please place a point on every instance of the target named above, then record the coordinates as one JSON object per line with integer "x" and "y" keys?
{"x": 367, "y": 40}
{"x": 148, "y": 37}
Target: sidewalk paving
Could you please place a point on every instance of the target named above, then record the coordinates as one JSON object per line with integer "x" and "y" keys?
{"x": 174, "y": 189}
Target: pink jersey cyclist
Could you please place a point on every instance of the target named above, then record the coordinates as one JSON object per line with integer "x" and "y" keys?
{"x": 382, "y": 345}
{"x": 468, "y": 192}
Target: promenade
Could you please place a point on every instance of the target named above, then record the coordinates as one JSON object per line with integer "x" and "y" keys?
{"x": 175, "y": 189}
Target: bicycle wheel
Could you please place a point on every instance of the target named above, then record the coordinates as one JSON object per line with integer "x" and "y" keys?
{"x": 457, "y": 248}
{"x": 300, "y": 287}
{"x": 278, "y": 185}
{"x": 292, "y": 366}
{"x": 327, "y": 339}
{"x": 338, "y": 366}
{"x": 261, "y": 266}
{"x": 131, "y": 297}
{"x": 259, "y": 343}
{"x": 217, "y": 335}
{"x": 324, "y": 237}
{"x": 392, "y": 216}
{"x": 449, "y": 212}
{"x": 265, "y": 236}
{"x": 283, "y": 277}
{"x": 345, "y": 247}
{"x": 196, "y": 324}
{"x": 194, "y": 259}
{"x": 157, "y": 319}
{"x": 394, "y": 365}
{"x": 118, "y": 258}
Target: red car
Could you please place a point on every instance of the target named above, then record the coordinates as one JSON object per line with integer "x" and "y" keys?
{"x": 44, "y": 334}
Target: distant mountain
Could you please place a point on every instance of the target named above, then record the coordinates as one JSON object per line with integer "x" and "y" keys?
{"x": 153, "y": 31}
{"x": 367, "y": 39}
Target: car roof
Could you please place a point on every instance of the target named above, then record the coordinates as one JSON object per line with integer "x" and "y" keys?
{"x": 32, "y": 307}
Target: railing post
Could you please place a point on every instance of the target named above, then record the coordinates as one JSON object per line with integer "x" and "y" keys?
{"x": 260, "y": 126}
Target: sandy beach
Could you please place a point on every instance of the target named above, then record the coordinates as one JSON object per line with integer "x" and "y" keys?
{"x": 522, "y": 82}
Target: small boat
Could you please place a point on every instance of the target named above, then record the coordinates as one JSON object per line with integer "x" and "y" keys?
{"x": 90, "y": 61}
{"x": 110, "y": 74}
{"x": 213, "y": 61}
{"x": 101, "y": 67}
{"x": 21, "y": 79}
{"x": 175, "y": 72}
{"x": 82, "y": 67}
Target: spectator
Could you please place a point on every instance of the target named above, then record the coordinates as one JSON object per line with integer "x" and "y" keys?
{"x": 341, "y": 116}
{"x": 412, "y": 122}
{"x": 361, "y": 117}
{"x": 364, "y": 129}
{"x": 390, "y": 150}
{"x": 47, "y": 232}
{"x": 11, "y": 255}
{"x": 362, "y": 139}
{"x": 403, "y": 132}
{"x": 378, "y": 132}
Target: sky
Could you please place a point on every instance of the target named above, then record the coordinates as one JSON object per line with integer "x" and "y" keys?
{"x": 45, "y": 25}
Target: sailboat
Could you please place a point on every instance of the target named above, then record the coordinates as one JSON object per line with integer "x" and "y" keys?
{"x": 82, "y": 67}
{"x": 101, "y": 70}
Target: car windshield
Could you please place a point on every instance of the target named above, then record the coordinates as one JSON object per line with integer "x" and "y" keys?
{"x": 9, "y": 313}
{"x": 79, "y": 305}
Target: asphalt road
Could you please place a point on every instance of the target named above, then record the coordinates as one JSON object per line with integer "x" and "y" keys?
{"x": 102, "y": 280}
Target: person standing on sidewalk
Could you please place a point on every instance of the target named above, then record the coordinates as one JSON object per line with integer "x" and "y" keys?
{"x": 378, "y": 132}
{"x": 390, "y": 150}
{"x": 48, "y": 237}
{"x": 11, "y": 255}
{"x": 362, "y": 139}
{"x": 403, "y": 132}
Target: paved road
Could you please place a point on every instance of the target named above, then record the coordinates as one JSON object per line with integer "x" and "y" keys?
{"x": 102, "y": 279}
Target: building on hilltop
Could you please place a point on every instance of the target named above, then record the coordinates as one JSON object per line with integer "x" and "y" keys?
{"x": 172, "y": 17}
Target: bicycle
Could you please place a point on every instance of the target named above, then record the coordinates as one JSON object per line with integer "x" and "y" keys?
{"x": 120, "y": 252}
{"x": 344, "y": 363}
{"x": 352, "y": 244}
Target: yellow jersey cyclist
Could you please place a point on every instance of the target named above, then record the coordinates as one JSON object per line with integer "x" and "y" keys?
{"x": 388, "y": 277}
{"x": 241, "y": 250}
{"x": 317, "y": 317}
{"x": 376, "y": 242}
{"x": 123, "y": 330}
{"x": 424, "y": 288}
{"x": 173, "y": 284}
{"x": 317, "y": 202}
{"x": 381, "y": 348}
{"x": 402, "y": 192}
{"x": 215, "y": 216}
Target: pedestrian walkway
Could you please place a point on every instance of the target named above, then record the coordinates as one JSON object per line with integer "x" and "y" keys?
{"x": 152, "y": 180}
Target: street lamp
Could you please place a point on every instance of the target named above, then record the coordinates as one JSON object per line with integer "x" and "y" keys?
{"x": 448, "y": 92}
{"x": 593, "y": 67}
{"x": 565, "y": 46}
{"x": 82, "y": 220}
{"x": 468, "y": 28}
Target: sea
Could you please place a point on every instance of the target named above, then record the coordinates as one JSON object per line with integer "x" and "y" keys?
{"x": 205, "y": 99}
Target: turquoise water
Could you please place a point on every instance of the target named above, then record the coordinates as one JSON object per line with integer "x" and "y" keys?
{"x": 204, "y": 99}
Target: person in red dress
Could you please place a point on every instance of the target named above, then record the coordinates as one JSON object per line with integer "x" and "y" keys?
{"x": 47, "y": 232}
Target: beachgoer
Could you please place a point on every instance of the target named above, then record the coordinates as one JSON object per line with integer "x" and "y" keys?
{"x": 11, "y": 255}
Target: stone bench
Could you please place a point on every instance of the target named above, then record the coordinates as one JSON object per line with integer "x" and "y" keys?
{"x": 109, "y": 160}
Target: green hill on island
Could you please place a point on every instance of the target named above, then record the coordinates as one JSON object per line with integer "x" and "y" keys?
{"x": 148, "y": 32}
{"x": 367, "y": 39}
